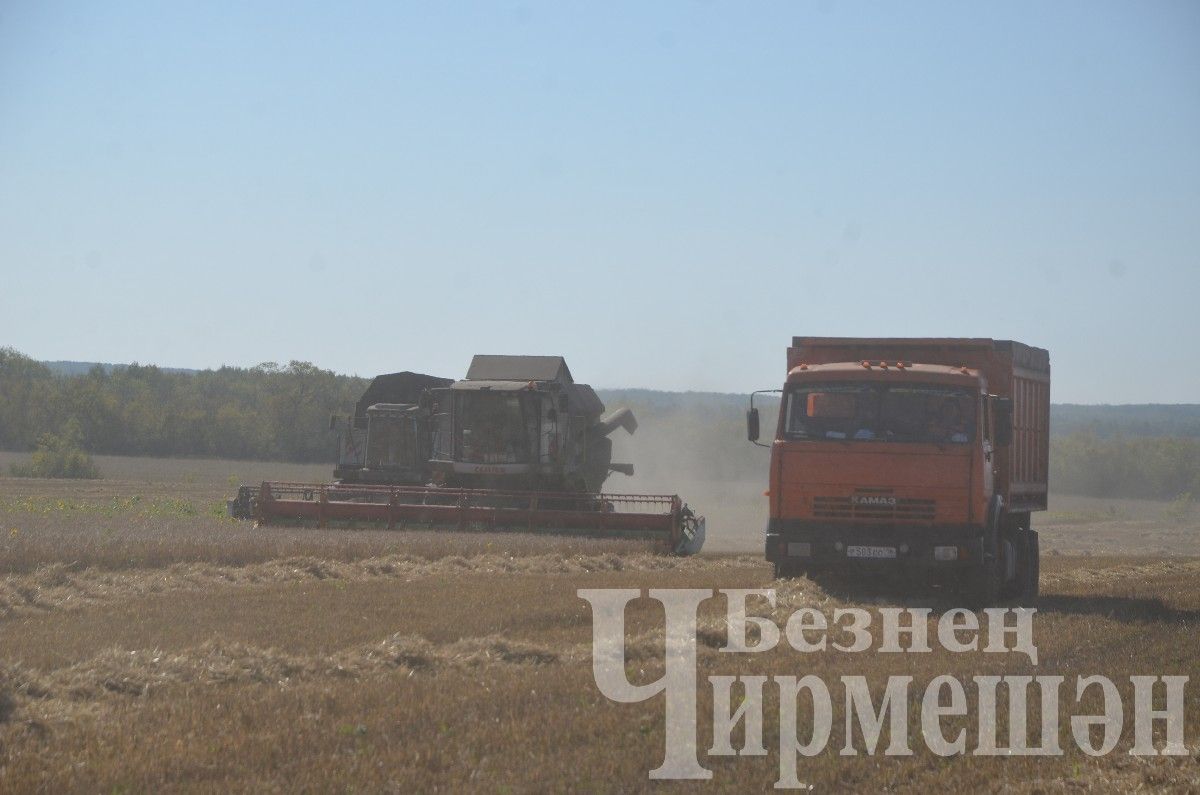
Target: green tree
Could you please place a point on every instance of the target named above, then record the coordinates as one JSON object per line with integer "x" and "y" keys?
{"x": 60, "y": 455}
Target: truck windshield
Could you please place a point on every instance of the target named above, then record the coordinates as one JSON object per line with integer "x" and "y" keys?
{"x": 879, "y": 412}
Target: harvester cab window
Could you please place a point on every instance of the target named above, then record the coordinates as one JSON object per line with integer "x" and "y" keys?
{"x": 443, "y": 425}
{"x": 391, "y": 441}
{"x": 874, "y": 412}
{"x": 553, "y": 425}
{"x": 493, "y": 428}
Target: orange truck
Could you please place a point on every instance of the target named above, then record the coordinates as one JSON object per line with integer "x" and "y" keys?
{"x": 923, "y": 457}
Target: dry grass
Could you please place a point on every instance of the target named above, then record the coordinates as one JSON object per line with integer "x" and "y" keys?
{"x": 1095, "y": 526}
{"x": 146, "y": 646}
{"x": 484, "y": 694}
{"x": 194, "y": 472}
{"x": 140, "y": 524}
{"x": 58, "y": 586}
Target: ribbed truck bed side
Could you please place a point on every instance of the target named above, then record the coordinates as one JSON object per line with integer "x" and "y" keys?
{"x": 1012, "y": 369}
{"x": 1028, "y": 464}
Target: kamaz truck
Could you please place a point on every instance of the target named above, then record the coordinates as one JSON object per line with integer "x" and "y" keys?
{"x": 919, "y": 457}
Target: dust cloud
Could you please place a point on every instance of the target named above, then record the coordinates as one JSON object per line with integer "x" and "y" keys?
{"x": 695, "y": 445}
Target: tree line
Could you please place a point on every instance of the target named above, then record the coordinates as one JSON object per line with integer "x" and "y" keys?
{"x": 268, "y": 412}
{"x": 274, "y": 412}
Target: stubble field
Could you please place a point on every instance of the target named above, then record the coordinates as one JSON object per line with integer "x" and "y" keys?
{"x": 147, "y": 643}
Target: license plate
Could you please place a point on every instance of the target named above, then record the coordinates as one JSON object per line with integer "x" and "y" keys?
{"x": 870, "y": 552}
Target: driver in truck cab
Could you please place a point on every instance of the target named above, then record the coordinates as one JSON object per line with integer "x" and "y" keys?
{"x": 948, "y": 424}
{"x": 866, "y": 418}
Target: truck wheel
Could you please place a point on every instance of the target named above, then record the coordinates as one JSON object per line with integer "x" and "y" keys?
{"x": 983, "y": 586}
{"x": 1013, "y": 543}
{"x": 1032, "y": 567}
{"x": 1024, "y": 586}
{"x": 786, "y": 570}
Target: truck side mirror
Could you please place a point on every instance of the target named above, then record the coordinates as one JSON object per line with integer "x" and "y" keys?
{"x": 752, "y": 425}
{"x": 1002, "y": 416}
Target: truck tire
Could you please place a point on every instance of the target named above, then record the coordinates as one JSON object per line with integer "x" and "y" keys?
{"x": 1013, "y": 543}
{"x": 1024, "y": 586}
{"x": 1032, "y": 568}
{"x": 983, "y": 584}
{"x": 787, "y": 569}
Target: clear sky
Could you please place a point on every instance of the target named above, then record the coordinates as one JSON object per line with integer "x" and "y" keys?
{"x": 662, "y": 192}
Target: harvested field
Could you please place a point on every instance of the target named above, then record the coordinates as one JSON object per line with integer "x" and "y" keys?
{"x": 148, "y": 643}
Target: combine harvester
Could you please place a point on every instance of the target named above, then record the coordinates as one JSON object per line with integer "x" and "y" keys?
{"x": 516, "y": 445}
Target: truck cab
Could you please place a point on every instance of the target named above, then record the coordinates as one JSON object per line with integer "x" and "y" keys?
{"x": 888, "y": 463}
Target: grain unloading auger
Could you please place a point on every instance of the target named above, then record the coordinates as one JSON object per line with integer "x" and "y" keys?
{"x": 516, "y": 445}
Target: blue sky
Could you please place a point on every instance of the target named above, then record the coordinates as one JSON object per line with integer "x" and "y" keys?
{"x": 664, "y": 192}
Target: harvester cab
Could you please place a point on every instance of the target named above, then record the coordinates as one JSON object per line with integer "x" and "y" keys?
{"x": 386, "y": 440}
{"x": 397, "y": 444}
{"x": 522, "y": 422}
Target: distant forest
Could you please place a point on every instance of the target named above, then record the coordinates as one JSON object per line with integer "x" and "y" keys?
{"x": 268, "y": 412}
{"x": 281, "y": 412}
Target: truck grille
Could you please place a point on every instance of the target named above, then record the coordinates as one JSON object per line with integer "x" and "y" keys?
{"x": 904, "y": 510}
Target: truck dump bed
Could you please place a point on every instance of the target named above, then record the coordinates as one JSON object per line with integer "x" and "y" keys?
{"x": 1012, "y": 369}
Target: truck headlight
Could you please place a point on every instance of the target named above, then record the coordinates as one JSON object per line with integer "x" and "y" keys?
{"x": 945, "y": 553}
{"x": 799, "y": 549}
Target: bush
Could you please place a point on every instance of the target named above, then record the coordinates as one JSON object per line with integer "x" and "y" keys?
{"x": 60, "y": 456}
{"x": 1180, "y": 508}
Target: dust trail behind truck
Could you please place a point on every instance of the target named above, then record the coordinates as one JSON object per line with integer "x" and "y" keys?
{"x": 920, "y": 456}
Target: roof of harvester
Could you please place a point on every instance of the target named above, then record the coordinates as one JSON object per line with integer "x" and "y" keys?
{"x": 405, "y": 387}
{"x": 519, "y": 368}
